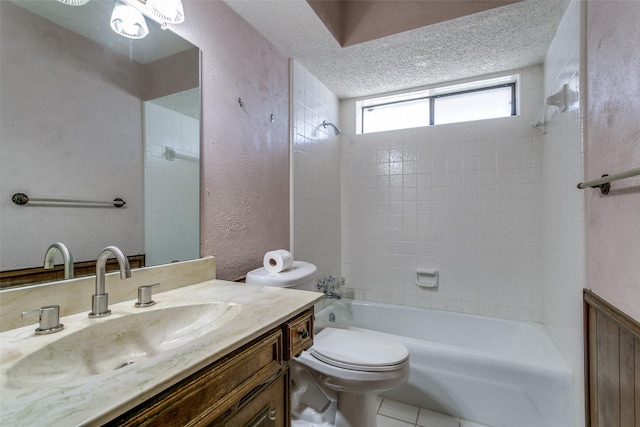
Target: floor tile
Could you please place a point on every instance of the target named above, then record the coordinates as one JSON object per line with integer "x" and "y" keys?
{"x": 466, "y": 423}
{"x": 391, "y": 422}
{"x": 427, "y": 418}
{"x": 399, "y": 410}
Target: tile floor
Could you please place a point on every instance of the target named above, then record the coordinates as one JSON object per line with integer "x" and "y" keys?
{"x": 392, "y": 413}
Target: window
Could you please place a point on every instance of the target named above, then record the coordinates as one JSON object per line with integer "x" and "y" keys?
{"x": 478, "y": 104}
{"x": 396, "y": 115}
{"x": 475, "y": 101}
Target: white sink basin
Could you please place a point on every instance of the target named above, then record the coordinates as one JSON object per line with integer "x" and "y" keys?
{"x": 115, "y": 342}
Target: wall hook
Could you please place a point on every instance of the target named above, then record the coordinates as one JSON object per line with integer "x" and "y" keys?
{"x": 240, "y": 103}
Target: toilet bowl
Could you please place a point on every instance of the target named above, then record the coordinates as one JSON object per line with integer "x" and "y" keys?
{"x": 350, "y": 368}
{"x": 336, "y": 381}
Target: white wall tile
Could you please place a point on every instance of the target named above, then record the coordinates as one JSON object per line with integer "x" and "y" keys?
{"x": 316, "y": 175}
{"x": 562, "y": 205}
{"x": 447, "y": 187}
{"x": 172, "y": 226}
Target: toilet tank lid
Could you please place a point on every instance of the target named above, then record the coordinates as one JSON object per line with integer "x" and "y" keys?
{"x": 299, "y": 273}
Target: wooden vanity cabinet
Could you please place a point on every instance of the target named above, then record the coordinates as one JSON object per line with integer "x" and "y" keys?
{"x": 247, "y": 388}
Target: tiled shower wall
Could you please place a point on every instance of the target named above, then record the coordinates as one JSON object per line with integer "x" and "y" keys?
{"x": 464, "y": 199}
{"x": 315, "y": 174}
{"x": 563, "y": 204}
{"x": 172, "y": 188}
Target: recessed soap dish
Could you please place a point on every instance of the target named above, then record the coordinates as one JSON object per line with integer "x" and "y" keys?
{"x": 427, "y": 278}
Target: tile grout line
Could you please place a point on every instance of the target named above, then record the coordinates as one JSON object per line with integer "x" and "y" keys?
{"x": 415, "y": 424}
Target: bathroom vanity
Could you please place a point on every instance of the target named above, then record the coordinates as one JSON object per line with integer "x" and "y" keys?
{"x": 248, "y": 387}
{"x": 210, "y": 353}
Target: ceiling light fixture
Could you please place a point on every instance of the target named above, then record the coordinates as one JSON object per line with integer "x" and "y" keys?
{"x": 166, "y": 11}
{"x": 74, "y": 2}
{"x": 128, "y": 22}
{"x": 161, "y": 11}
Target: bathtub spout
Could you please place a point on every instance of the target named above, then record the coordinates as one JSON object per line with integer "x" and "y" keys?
{"x": 329, "y": 286}
{"x": 331, "y": 295}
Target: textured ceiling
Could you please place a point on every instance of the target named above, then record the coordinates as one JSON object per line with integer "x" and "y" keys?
{"x": 505, "y": 38}
{"x": 185, "y": 102}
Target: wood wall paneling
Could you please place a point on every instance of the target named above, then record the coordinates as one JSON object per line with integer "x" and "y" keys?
{"x": 34, "y": 275}
{"x": 612, "y": 362}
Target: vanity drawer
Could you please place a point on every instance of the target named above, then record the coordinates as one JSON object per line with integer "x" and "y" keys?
{"x": 206, "y": 395}
{"x": 266, "y": 407}
{"x": 299, "y": 334}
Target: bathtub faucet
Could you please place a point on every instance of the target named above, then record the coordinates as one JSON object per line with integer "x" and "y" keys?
{"x": 330, "y": 285}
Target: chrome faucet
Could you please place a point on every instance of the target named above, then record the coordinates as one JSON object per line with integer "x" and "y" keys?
{"x": 67, "y": 259}
{"x": 329, "y": 286}
{"x": 100, "y": 301}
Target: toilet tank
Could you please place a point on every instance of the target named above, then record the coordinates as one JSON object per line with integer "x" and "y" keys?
{"x": 301, "y": 275}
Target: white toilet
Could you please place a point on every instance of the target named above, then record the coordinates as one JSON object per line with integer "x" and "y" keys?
{"x": 336, "y": 381}
{"x": 301, "y": 275}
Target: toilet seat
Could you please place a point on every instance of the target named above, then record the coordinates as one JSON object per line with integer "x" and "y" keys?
{"x": 358, "y": 351}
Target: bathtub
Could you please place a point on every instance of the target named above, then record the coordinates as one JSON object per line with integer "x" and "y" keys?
{"x": 497, "y": 372}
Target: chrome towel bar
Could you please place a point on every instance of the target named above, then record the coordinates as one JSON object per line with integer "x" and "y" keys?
{"x": 603, "y": 183}
{"x": 23, "y": 199}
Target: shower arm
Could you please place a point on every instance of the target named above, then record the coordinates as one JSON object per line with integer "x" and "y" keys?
{"x": 335, "y": 128}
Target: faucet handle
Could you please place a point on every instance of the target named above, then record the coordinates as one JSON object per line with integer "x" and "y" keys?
{"x": 144, "y": 295}
{"x": 49, "y": 319}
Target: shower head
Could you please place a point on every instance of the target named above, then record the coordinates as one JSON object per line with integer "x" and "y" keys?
{"x": 335, "y": 128}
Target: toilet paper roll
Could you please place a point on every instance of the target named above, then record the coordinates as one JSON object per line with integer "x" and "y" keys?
{"x": 277, "y": 261}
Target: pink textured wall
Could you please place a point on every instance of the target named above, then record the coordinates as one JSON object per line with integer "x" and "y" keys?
{"x": 245, "y": 157}
{"x": 176, "y": 73}
{"x": 612, "y": 146}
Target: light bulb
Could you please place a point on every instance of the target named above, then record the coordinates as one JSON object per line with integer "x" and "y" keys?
{"x": 128, "y": 22}
{"x": 170, "y": 11}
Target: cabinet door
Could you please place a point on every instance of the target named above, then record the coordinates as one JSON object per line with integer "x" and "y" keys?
{"x": 267, "y": 408}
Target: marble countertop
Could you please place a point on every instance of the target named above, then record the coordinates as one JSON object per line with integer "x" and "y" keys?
{"x": 98, "y": 398}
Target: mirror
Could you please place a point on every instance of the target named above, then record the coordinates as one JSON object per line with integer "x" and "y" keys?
{"x": 90, "y": 115}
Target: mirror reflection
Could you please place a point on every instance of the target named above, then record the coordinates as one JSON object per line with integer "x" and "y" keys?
{"x": 90, "y": 115}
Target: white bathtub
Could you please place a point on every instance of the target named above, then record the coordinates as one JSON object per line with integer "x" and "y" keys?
{"x": 498, "y": 372}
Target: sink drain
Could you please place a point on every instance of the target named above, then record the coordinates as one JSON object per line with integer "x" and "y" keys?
{"x": 130, "y": 362}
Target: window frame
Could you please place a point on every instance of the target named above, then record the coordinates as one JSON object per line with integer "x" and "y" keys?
{"x": 432, "y": 101}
